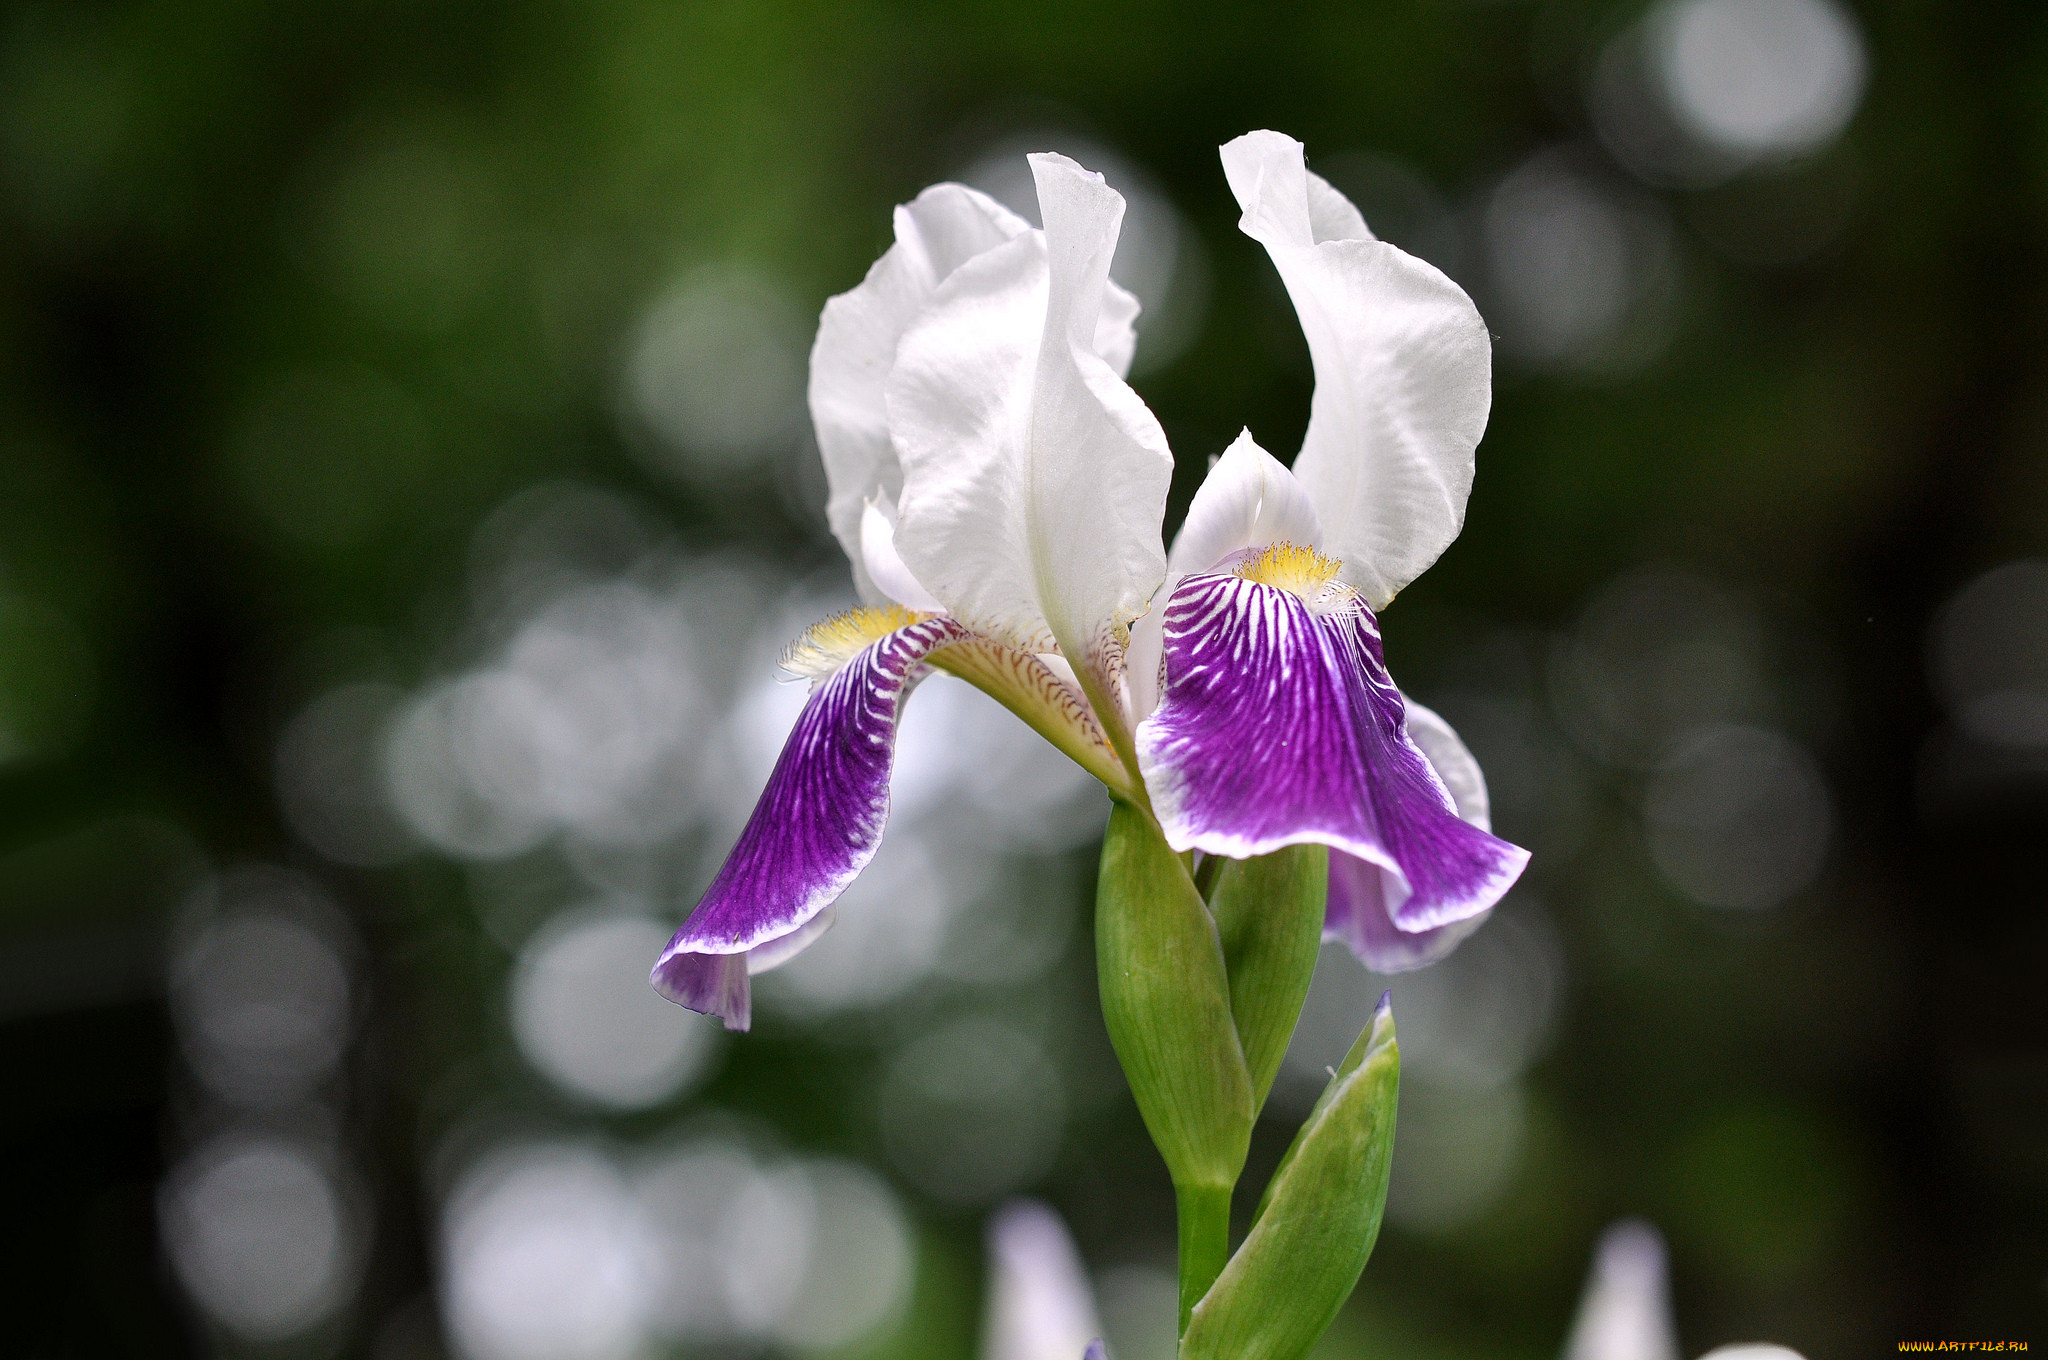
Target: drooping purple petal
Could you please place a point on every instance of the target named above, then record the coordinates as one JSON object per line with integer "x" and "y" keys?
{"x": 815, "y": 828}
{"x": 1278, "y": 725}
{"x": 1357, "y": 913}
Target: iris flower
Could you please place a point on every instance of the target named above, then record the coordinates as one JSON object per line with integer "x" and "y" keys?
{"x": 999, "y": 490}
{"x": 1039, "y": 1305}
{"x": 1625, "y": 1312}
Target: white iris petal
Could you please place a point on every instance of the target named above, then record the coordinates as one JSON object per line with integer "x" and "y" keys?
{"x": 1403, "y": 369}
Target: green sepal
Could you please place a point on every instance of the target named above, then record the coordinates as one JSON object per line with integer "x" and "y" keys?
{"x": 1317, "y": 1224}
{"x": 1166, "y": 1004}
{"x": 1269, "y": 917}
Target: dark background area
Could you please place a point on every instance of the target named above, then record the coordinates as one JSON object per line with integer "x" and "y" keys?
{"x": 347, "y": 349}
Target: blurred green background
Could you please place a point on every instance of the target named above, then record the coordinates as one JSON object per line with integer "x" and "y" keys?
{"x": 405, "y": 489}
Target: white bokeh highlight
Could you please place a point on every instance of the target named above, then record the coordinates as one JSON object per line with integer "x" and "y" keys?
{"x": 570, "y": 1252}
{"x": 1580, "y": 268}
{"x": 261, "y": 1235}
{"x": 1988, "y": 656}
{"x": 1471, "y": 1027}
{"x": 1762, "y": 78}
{"x": 260, "y": 989}
{"x": 547, "y": 1254}
{"x": 1696, "y": 92}
{"x": 590, "y": 722}
{"x": 715, "y": 371}
{"x": 1739, "y": 817}
{"x": 584, "y": 1016}
{"x": 972, "y": 1111}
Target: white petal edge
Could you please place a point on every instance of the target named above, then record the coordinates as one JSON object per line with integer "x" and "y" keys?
{"x": 1248, "y": 500}
{"x": 1453, "y": 763}
{"x": 1099, "y": 462}
{"x": 766, "y": 958}
{"x": 937, "y": 232}
{"x": 1403, "y": 368}
{"x": 960, "y": 413}
{"x": 1116, "y": 330}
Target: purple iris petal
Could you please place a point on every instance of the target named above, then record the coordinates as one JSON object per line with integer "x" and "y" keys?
{"x": 816, "y": 827}
{"x": 1278, "y": 725}
{"x": 1095, "y": 1351}
{"x": 1357, "y": 914}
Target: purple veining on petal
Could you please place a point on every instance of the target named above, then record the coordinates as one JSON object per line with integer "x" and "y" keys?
{"x": 1357, "y": 914}
{"x": 1454, "y": 870}
{"x": 815, "y": 828}
{"x": 1278, "y": 725}
{"x": 1251, "y": 746}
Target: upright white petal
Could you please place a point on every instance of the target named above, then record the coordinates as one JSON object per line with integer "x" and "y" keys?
{"x": 1034, "y": 478}
{"x": 937, "y": 232}
{"x": 1625, "y": 1313}
{"x": 1331, "y": 216}
{"x": 960, "y": 414}
{"x": 1403, "y": 370}
{"x": 1248, "y": 500}
{"x": 1039, "y": 1303}
{"x": 1116, "y": 330}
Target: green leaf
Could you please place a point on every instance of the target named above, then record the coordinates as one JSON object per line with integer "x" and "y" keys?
{"x": 1269, "y": 917}
{"x": 1318, "y": 1222}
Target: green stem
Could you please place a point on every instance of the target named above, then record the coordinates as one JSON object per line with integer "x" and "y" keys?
{"x": 1204, "y": 1242}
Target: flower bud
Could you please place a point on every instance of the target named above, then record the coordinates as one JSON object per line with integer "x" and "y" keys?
{"x": 1166, "y": 1001}
{"x": 1319, "y": 1219}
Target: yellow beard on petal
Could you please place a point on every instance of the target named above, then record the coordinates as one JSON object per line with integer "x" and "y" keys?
{"x": 1302, "y": 571}
{"x": 827, "y": 645}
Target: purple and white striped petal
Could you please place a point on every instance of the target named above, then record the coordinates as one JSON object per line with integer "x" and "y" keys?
{"x": 819, "y": 820}
{"x": 1279, "y": 725}
{"x": 1358, "y": 912}
{"x": 1248, "y": 500}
